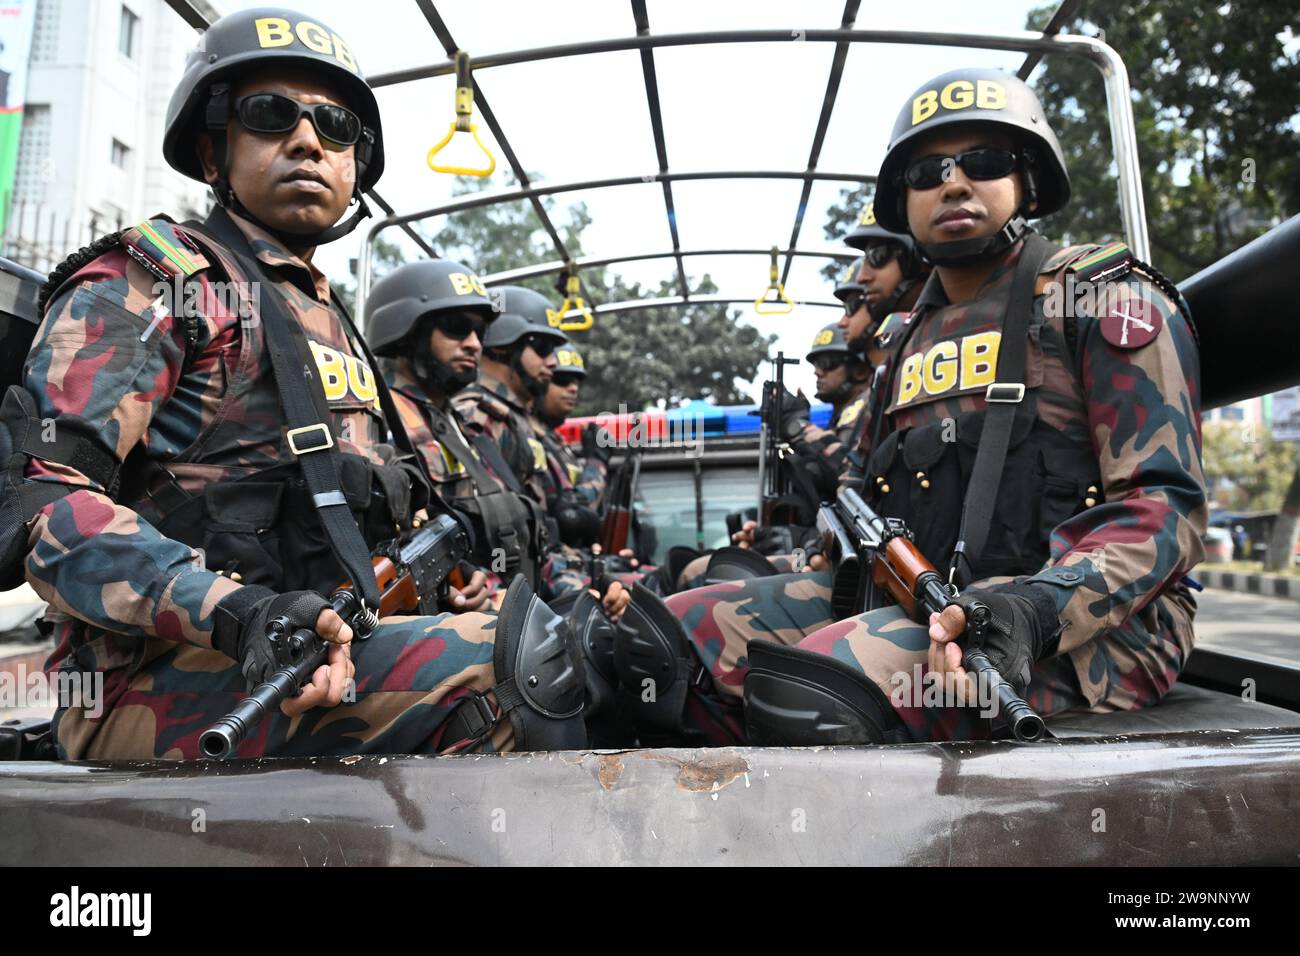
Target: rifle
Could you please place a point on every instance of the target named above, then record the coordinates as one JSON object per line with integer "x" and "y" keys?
{"x": 854, "y": 534}
{"x": 774, "y": 482}
{"x": 412, "y": 577}
{"x": 620, "y": 500}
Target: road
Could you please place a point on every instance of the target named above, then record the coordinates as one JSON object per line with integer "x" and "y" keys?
{"x": 1229, "y": 620}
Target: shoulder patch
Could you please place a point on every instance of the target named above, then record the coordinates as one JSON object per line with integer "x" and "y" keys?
{"x": 1102, "y": 264}
{"x": 163, "y": 249}
{"x": 851, "y": 413}
{"x": 889, "y": 327}
{"x": 1130, "y": 321}
{"x": 474, "y": 399}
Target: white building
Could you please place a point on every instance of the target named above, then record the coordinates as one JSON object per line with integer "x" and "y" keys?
{"x": 90, "y": 158}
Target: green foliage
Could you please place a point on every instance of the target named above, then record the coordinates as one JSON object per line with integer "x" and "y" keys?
{"x": 841, "y": 218}
{"x": 1246, "y": 470}
{"x": 639, "y": 359}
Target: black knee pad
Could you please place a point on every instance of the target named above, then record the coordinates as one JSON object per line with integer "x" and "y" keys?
{"x": 797, "y": 698}
{"x": 593, "y": 633}
{"x": 539, "y": 672}
{"x": 737, "y": 564}
{"x": 655, "y": 663}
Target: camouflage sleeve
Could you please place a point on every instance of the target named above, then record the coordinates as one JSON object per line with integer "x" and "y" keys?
{"x": 90, "y": 557}
{"x": 591, "y": 482}
{"x": 1113, "y": 559}
{"x": 563, "y": 573}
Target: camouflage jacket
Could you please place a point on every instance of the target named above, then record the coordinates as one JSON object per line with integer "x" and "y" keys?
{"x": 565, "y": 471}
{"x": 1115, "y": 375}
{"x": 488, "y": 408}
{"x": 108, "y": 351}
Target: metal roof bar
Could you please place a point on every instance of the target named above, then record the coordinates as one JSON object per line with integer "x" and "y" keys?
{"x": 477, "y": 200}
{"x": 642, "y": 19}
{"x": 819, "y": 137}
{"x": 1019, "y": 41}
{"x": 480, "y": 103}
{"x": 1058, "y": 20}
{"x": 637, "y": 305}
{"x": 549, "y": 268}
{"x": 196, "y": 18}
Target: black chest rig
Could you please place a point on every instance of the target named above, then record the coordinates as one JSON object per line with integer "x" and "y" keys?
{"x": 981, "y": 488}
{"x": 510, "y": 532}
{"x": 308, "y": 523}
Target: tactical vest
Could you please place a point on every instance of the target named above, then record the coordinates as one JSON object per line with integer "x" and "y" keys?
{"x": 522, "y": 452}
{"x": 263, "y": 526}
{"x": 500, "y": 513}
{"x": 932, "y": 411}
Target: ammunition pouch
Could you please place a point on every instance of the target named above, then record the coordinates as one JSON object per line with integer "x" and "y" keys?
{"x": 510, "y": 522}
{"x": 798, "y": 698}
{"x": 921, "y": 474}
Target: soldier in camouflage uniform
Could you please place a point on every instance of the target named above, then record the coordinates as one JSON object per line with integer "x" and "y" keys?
{"x": 175, "y": 522}
{"x": 427, "y": 320}
{"x": 585, "y": 476}
{"x": 1099, "y": 504}
{"x": 841, "y": 380}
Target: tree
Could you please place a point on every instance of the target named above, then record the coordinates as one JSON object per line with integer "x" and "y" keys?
{"x": 638, "y": 359}
{"x": 1244, "y": 470}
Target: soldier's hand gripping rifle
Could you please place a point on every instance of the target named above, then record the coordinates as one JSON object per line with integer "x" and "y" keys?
{"x": 775, "y": 483}
{"x": 413, "y": 576}
{"x": 856, "y": 537}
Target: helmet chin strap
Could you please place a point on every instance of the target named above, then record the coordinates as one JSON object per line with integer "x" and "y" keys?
{"x": 885, "y": 306}
{"x": 841, "y": 393}
{"x": 535, "y": 387}
{"x": 968, "y": 251}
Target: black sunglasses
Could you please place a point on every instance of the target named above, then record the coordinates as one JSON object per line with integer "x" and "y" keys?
{"x": 853, "y": 301}
{"x": 543, "y": 345}
{"x": 983, "y": 162}
{"x": 880, "y": 254}
{"x": 460, "y": 325}
{"x": 276, "y": 113}
{"x": 564, "y": 379}
{"x": 828, "y": 361}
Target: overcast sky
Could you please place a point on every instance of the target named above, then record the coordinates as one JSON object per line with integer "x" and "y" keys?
{"x": 750, "y": 106}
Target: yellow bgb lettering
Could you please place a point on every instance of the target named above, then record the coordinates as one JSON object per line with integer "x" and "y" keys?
{"x": 957, "y": 95}
{"x": 869, "y": 214}
{"x": 272, "y": 32}
{"x": 924, "y": 106}
{"x": 991, "y": 96}
{"x": 313, "y": 37}
{"x": 464, "y": 284}
{"x": 342, "y": 53}
{"x": 979, "y": 359}
{"x": 824, "y": 337}
{"x": 361, "y": 381}
{"x": 940, "y": 367}
{"x": 333, "y": 374}
{"x": 909, "y": 379}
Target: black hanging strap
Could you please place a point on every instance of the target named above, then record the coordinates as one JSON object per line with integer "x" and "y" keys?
{"x": 310, "y": 436}
{"x": 1002, "y": 397}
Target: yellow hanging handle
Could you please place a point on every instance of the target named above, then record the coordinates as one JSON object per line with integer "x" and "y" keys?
{"x": 775, "y": 306}
{"x": 462, "y": 124}
{"x": 572, "y": 303}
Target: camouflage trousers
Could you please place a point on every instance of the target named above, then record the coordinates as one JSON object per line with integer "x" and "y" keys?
{"x": 1143, "y": 658}
{"x": 410, "y": 674}
{"x": 693, "y": 575}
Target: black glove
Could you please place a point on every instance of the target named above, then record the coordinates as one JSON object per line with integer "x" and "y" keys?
{"x": 593, "y": 447}
{"x": 242, "y": 618}
{"x": 1025, "y": 628}
{"x": 795, "y": 412}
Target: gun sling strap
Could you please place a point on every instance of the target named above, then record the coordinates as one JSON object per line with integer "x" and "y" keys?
{"x": 1003, "y": 398}
{"x": 310, "y": 437}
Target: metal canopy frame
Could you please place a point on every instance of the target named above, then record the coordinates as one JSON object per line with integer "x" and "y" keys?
{"x": 1034, "y": 45}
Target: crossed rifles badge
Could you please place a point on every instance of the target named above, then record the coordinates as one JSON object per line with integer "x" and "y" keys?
{"x": 1130, "y": 322}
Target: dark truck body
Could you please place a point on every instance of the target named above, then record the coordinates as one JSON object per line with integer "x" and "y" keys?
{"x": 1208, "y": 776}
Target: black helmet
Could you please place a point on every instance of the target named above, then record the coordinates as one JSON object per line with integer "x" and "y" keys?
{"x": 410, "y": 292}
{"x": 569, "y": 361}
{"x": 975, "y": 96}
{"x": 520, "y": 312}
{"x": 241, "y": 41}
{"x": 868, "y": 230}
{"x": 829, "y": 339}
{"x": 848, "y": 283}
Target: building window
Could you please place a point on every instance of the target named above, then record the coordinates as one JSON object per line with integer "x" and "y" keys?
{"x": 34, "y": 173}
{"x": 121, "y": 154}
{"x": 45, "y": 32}
{"x": 127, "y": 32}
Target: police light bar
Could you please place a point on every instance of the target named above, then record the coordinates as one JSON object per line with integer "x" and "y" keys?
{"x": 694, "y": 421}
